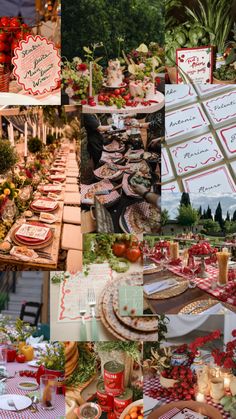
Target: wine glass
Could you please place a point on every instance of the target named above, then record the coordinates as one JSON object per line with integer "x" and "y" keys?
{"x": 9, "y": 212}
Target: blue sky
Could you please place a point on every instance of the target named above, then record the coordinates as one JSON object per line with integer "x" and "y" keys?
{"x": 171, "y": 200}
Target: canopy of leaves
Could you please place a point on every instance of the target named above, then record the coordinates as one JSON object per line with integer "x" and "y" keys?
{"x": 35, "y": 145}
{"x": 187, "y": 216}
{"x": 86, "y": 22}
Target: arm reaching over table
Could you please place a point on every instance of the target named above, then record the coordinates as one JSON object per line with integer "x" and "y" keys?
{"x": 150, "y": 197}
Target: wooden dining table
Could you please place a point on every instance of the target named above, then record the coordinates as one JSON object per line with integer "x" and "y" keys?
{"x": 174, "y": 304}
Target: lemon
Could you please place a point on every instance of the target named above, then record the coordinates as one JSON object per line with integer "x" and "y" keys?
{"x": 6, "y": 191}
{"x": 12, "y": 185}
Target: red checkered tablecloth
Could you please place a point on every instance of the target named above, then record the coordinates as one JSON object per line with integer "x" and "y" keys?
{"x": 204, "y": 284}
{"x": 153, "y": 384}
{"x": 11, "y": 388}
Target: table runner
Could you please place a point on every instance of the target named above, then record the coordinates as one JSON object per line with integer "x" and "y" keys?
{"x": 204, "y": 283}
{"x": 11, "y": 385}
{"x": 153, "y": 384}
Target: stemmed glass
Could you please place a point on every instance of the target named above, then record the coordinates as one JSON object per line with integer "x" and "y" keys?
{"x": 9, "y": 212}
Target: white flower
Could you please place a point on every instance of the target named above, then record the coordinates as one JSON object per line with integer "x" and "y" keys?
{"x": 69, "y": 91}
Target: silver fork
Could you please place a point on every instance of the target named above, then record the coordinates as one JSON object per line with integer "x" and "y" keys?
{"x": 92, "y": 305}
{"x": 11, "y": 403}
{"x": 82, "y": 312}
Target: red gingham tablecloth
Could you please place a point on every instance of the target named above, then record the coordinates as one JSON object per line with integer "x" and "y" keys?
{"x": 204, "y": 283}
{"x": 152, "y": 384}
{"x": 11, "y": 388}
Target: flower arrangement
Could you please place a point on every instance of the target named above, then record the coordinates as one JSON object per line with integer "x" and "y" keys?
{"x": 144, "y": 60}
{"x": 53, "y": 357}
{"x": 227, "y": 358}
{"x": 8, "y": 190}
{"x": 15, "y": 332}
{"x": 75, "y": 77}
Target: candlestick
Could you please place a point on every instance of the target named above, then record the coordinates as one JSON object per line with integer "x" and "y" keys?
{"x": 34, "y": 130}
{"x": 12, "y": 135}
{"x": 91, "y": 78}
{"x": 226, "y": 382}
{"x": 39, "y": 132}
{"x": 26, "y": 140}
{"x": 200, "y": 397}
{"x": 153, "y": 76}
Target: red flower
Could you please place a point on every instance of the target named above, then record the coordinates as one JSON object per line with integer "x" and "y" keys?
{"x": 234, "y": 333}
{"x": 82, "y": 67}
{"x": 229, "y": 363}
{"x": 216, "y": 334}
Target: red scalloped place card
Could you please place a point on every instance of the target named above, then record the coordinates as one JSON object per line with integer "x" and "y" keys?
{"x": 196, "y": 154}
{"x": 37, "y": 65}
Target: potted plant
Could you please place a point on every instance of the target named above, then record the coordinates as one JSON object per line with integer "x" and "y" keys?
{"x": 226, "y": 74}
{"x": 35, "y": 145}
{"x": 8, "y": 156}
{"x": 53, "y": 360}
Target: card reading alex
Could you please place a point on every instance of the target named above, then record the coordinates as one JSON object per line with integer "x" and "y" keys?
{"x": 37, "y": 65}
{"x": 194, "y": 64}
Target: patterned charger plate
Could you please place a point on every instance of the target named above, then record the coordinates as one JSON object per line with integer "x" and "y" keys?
{"x": 198, "y": 307}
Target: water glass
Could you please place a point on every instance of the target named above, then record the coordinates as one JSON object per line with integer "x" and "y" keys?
{"x": 3, "y": 355}
{"x": 48, "y": 388}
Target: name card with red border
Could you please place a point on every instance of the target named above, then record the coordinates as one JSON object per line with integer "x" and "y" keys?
{"x": 194, "y": 65}
{"x": 37, "y": 65}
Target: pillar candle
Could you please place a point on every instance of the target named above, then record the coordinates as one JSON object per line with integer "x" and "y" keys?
{"x": 12, "y": 135}
{"x": 26, "y": 140}
{"x": 91, "y": 78}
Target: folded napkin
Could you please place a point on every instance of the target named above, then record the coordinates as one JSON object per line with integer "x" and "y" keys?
{"x": 160, "y": 286}
{"x": 33, "y": 340}
{"x": 151, "y": 266}
{"x": 170, "y": 414}
{"x": 216, "y": 309}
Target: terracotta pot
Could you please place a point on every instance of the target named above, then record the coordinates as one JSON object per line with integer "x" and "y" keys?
{"x": 172, "y": 73}
{"x": 216, "y": 81}
{"x": 60, "y": 379}
{"x": 217, "y": 390}
{"x": 167, "y": 382}
{"x": 232, "y": 386}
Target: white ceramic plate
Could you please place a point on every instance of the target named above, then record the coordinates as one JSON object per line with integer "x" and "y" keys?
{"x": 127, "y": 409}
{"x": 17, "y": 99}
{"x": 33, "y": 363}
{"x": 28, "y": 386}
{"x": 21, "y": 402}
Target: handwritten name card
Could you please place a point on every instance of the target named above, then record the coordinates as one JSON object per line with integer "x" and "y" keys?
{"x": 37, "y": 65}
{"x": 196, "y": 154}
{"x": 176, "y": 95}
{"x": 214, "y": 181}
{"x": 196, "y": 64}
{"x": 222, "y": 109}
{"x": 166, "y": 170}
{"x": 227, "y": 136}
{"x": 185, "y": 122}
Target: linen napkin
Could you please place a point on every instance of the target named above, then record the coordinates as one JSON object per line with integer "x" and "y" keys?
{"x": 160, "y": 286}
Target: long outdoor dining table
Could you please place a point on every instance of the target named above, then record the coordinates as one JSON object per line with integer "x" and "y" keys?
{"x": 174, "y": 304}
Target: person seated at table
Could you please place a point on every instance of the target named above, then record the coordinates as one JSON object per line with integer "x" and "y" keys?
{"x": 95, "y": 137}
{"x": 150, "y": 197}
{"x": 24, "y": 8}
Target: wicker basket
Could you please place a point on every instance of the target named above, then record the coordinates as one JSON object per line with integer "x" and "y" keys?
{"x": 4, "y": 80}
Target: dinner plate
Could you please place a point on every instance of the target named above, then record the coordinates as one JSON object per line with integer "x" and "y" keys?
{"x": 7, "y": 98}
{"x": 44, "y": 209}
{"x": 21, "y": 402}
{"x": 202, "y": 408}
{"x": 127, "y": 409}
{"x": 33, "y": 364}
{"x": 26, "y": 239}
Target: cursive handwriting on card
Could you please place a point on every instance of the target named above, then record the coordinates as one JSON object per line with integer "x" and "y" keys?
{"x": 37, "y": 65}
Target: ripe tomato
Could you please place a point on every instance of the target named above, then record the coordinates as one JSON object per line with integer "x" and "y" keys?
{"x": 14, "y": 44}
{"x": 119, "y": 248}
{"x": 100, "y": 98}
{"x": 3, "y": 58}
{"x": 14, "y": 23}
{"x": 133, "y": 254}
{"x": 3, "y": 36}
{"x": 19, "y": 35}
{"x": 20, "y": 358}
{"x": 2, "y": 46}
{"x": 5, "y": 21}
{"x": 117, "y": 92}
